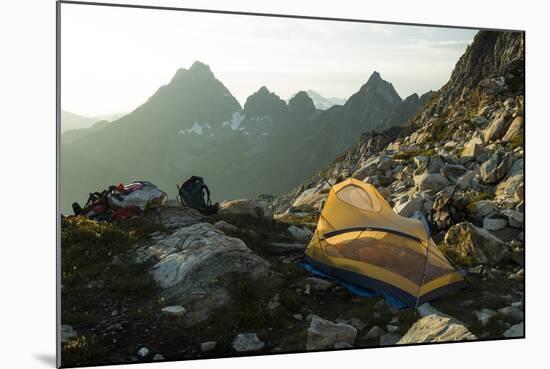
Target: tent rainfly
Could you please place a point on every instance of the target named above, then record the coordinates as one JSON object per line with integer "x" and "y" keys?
{"x": 359, "y": 239}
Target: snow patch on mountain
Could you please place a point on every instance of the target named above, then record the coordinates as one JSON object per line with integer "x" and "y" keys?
{"x": 236, "y": 119}
{"x": 196, "y": 129}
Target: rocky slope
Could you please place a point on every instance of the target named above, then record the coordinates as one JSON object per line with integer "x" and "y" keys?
{"x": 404, "y": 111}
{"x": 231, "y": 284}
{"x": 459, "y": 162}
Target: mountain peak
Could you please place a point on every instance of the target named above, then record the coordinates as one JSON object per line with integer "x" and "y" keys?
{"x": 301, "y": 102}
{"x": 412, "y": 97}
{"x": 378, "y": 86}
{"x": 375, "y": 77}
{"x": 199, "y": 67}
{"x": 301, "y": 95}
{"x": 264, "y": 103}
{"x": 263, "y": 91}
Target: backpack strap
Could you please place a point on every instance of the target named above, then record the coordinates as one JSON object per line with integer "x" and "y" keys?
{"x": 178, "y": 196}
{"x": 207, "y": 194}
{"x": 92, "y": 198}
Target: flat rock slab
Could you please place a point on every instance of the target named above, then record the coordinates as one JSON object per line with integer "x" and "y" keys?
{"x": 190, "y": 263}
{"x": 175, "y": 216}
{"x": 194, "y": 246}
{"x": 254, "y": 208}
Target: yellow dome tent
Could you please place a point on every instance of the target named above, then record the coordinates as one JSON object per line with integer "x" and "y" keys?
{"x": 361, "y": 240}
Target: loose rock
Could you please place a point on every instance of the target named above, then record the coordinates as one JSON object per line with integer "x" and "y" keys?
{"x": 470, "y": 241}
{"x": 357, "y": 323}
{"x": 431, "y": 181}
{"x": 319, "y": 284}
{"x": 67, "y": 332}
{"x": 494, "y": 224}
{"x": 436, "y": 328}
{"x": 389, "y": 339}
{"x": 497, "y": 128}
{"x": 494, "y": 169}
{"x": 208, "y": 345}
{"x": 483, "y": 208}
{"x": 323, "y": 334}
{"x": 515, "y": 331}
{"x": 514, "y": 130}
{"x": 374, "y": 332}
{"x": 175, "y": 310}
{"x": 300, "y": 234}
{"x": 513, "y": 186}
{"x": 485, "y": 315}
{"x": 473, "y": 148}
{"x": 143, "y": 352}
{"x": 392, "y": 328}
{"x": 246, "y": 342}
{"x": 515, "y": 218}
{"x": 512, "y": 312}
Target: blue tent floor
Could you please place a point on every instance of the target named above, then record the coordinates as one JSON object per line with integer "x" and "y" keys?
{"x": 356, "y": 290}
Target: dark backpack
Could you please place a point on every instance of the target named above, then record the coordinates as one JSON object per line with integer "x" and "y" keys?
{"x": 196, "y": 194}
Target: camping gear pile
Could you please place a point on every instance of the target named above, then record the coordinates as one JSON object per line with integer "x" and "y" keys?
{"x": 121, "y": 202}
{"x": 360, "y": 240}
{"x": 196, "y": 194}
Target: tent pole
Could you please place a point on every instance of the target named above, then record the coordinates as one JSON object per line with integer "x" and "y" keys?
{"x": 425, "y": 272}
{"x": 325, "y": 219}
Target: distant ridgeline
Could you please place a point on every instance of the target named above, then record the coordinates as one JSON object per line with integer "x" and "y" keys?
{"x": 194, "y": 126}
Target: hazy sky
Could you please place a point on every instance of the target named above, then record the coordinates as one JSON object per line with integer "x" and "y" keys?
{"x": 113, "y": 59}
